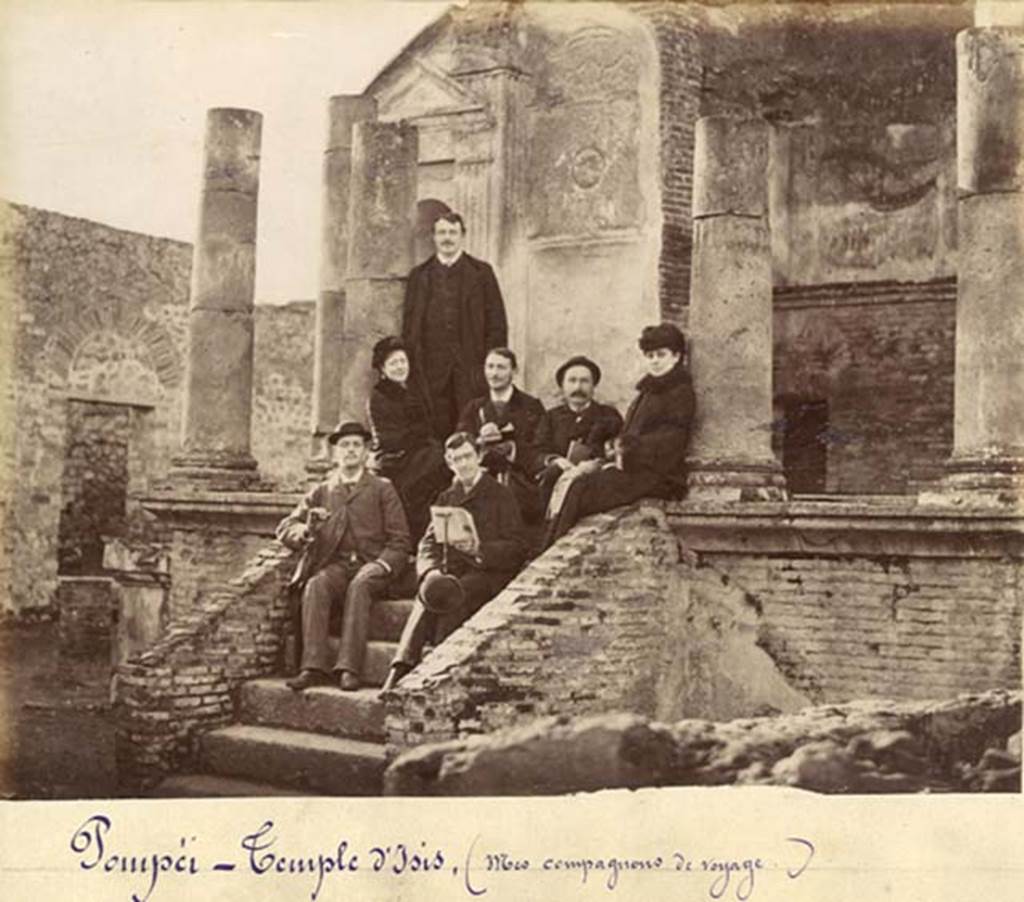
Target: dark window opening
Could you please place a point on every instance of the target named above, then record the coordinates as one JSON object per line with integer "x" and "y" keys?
{"x": 805, "y": 445}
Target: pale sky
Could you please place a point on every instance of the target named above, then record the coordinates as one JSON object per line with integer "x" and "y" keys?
{"x": 103, "y": 104}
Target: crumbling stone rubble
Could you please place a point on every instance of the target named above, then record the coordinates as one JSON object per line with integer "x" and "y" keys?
{"x": 967, "y": 744}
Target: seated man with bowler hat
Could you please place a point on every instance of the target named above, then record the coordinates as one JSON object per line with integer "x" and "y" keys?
{"x": 504, "y": 422}
{"x": 354, "y": 540}
{"x": 650, "y": 454}
{"x": 571, "y": 437}
{"x": 457, "y": 578}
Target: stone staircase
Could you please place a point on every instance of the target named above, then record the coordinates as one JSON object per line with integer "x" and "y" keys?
{"x": 319, "y": 742}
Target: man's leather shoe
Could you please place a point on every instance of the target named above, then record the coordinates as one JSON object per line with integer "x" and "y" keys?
{"x": 397, "y": 671}
{"x": 348, "y": 681}
{"x": 307, "y": 679}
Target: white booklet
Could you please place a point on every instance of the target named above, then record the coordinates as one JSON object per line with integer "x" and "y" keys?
{"x": 452, "y": 524}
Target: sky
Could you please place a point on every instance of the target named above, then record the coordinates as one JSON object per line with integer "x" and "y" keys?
{"x": 103, "y": 106}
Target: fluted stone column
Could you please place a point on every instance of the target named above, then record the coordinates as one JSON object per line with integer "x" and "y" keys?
{"x": 215, "y": 434}
{"x": 730, "y": 318}
{"x": 987, "y": 466}
{"x": 381, "y": 229}
{"x": 344, "y": 111}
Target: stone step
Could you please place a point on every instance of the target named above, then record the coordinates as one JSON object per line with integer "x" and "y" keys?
{"x": 388, "y": 617}
{"x": 310, "y": 762}
{"x": 323, "y": 709}
{"x": 375, "y": 665}
{"x": 207, "y": 786}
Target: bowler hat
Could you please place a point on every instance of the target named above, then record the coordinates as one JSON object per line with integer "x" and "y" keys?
{"x": 384, "y": 348}
{"x": 492, "y": 434}
{"x": 663, "y": 335}
{"x": 349, "y": 427}
{"x": 578, "y": 360}
{"x": 440, "y": 592}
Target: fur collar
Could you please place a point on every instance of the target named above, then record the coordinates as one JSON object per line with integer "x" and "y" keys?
{"x": 678, "y": 375}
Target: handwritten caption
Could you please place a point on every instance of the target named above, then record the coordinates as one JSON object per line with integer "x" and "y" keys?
{"x": 477, "y": 867}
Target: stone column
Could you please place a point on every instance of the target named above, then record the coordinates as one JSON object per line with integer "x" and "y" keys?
{"x": 987, "y": 466}
{"x": 215, "y": 434}
{"x": 344, "y": 111}
{"x": 381, "y": 230}
{"x": 731, "y": 315}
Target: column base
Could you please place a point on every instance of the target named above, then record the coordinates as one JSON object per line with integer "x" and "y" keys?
{"x": 980, "y": 482}
{"x": 725, "y": 480}
{"x": 216, "y": 471}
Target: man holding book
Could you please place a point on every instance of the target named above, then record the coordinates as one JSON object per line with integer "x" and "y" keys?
{"x": 473, "y": 547}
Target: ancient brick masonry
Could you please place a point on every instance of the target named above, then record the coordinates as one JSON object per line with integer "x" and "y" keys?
{"x": 672, "y": 617}
{"x": 185, "y": 684}
{"x": 576, "y": 631}
{"x": 679, "y": 60}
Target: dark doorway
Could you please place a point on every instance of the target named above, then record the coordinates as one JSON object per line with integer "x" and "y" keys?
{"x": 427, "y": 213}
{"x": 805, "y": 445}
{"x": 94, "y": 485}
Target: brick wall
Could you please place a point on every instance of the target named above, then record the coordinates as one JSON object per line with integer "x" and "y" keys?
{"x": 666, "y": 619}
{"x": 881, "y": 355}
{"x": 679, "y": 59}
{"x": 185, "y": 683}
{"x": 577, "y": 632}
{"x": 898, "y": 627}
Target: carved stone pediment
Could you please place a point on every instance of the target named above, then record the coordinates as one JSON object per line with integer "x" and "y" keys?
{"x": 420, "y": 90}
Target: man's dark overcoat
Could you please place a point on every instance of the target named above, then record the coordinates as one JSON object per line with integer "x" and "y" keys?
{"x": 524, "y": 412}
{"x": 366, "y": 518}
{"x": 654, "y": 441}
{"x": 592, "y": 427}
{"x": 482, "y": 323}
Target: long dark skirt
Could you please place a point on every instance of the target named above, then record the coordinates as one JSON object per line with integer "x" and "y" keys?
{"x": 418, "y": 477}
{"x": 600, "y": 491}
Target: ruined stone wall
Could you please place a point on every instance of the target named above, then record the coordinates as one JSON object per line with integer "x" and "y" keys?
{"x": 97, "y": 316}
{"x": 881, "y": 355}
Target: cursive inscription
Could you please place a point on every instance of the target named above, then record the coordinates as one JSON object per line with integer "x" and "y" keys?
{"x": 265, "y": 851}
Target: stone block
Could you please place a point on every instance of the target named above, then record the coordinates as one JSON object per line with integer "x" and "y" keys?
{"x": 232, "y": 148}
{"x": 730, "y": 167}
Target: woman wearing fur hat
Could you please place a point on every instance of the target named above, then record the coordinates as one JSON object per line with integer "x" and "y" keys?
{"x": 650, "y": 454}
{"x": 407, "y": 453}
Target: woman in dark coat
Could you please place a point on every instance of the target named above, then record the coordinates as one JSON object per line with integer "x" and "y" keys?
{"x": 650, "y": 455}
{"x": 406, "y": 451}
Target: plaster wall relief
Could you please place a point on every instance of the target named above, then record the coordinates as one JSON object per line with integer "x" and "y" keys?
{"x": 591, "y": 194}
{"x": 865, "y": 203}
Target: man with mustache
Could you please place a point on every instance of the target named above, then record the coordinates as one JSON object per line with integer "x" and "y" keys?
{"x": 572, "y": 435}
{"x": 453, "y": 315}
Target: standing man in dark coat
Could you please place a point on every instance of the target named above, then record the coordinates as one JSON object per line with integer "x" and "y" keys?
{"x": 650, "y": 454}
{"x": 457, "y": 580}
{"x": 574, "y": 433}
{"x": 511, "y": 417}
{"x": 453, "y": 315}
{"x": 354, "y": 540}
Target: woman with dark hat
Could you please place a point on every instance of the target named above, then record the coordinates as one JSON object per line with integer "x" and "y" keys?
{"x": 406, "y": 451}
{"x": 650, "y": 453}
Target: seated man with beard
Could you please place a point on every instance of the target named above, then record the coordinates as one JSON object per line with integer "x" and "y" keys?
{"x": 571, "y": 437}
{"x": 650, "y": 454}
{"x": 457, "y": 578}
